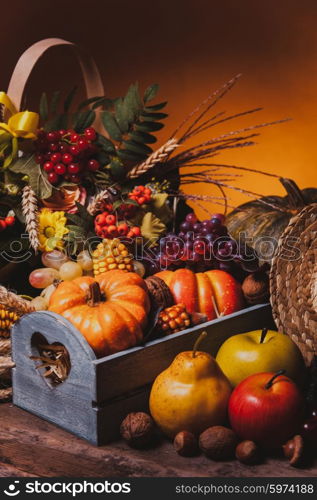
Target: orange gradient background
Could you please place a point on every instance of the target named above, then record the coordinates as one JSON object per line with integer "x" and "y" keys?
{"x": 191, "y": 47}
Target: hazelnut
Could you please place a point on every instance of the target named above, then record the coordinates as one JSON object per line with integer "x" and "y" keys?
{"x": 185, "y": 443}
{"x": 137, "y": 429}
{"x": 248, "y": 453}
{"x": 218, "y": 442}
{"x": 294, "y": 450}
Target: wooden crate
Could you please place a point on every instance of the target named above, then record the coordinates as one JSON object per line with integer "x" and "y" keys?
{"x": 98, "y": 393}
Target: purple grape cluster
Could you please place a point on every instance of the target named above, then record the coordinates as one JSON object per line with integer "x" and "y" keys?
{"x": 203, "y": 245}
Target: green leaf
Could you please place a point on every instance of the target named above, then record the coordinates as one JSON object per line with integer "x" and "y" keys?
{"x": 137, "y": 147}
{"x": 37, "y": 179}
{"x": 43, "y": 107}
{"x": 133, "y": 101}
{"x": 126, "y": 155}
{"x": 105, "y": 102}
{"x": 57, "y": 123}
{"x": 149, "y": 126}
{"x": 89, "y": 101}
{"x": 150, "y": 92}
{"x": 75, "y": 230}
{"x": 152, "y": 228}
{"x": 159, "y": 206}
{"x": 116, "y": 168}
{"x": 69, "y": 99}
{"x": 84, "y": 214}
{"x": 13, "y": 154}
{"x": 106, "y": 144}
{"x": 122, "y": 116}
{"x": 102, "y": 178}
{"x": 156, "y": 107}
{"x": 153, "y": 116}
{"x": 143, "y": 137}
{"x": 55, "y": 102}
{"x": 118, "y": 203}
{"x": 84, "y": 120}
{"x": 103, "y": 158}
{"x": 75, "y": 219}
{"x": 111, "y": 125}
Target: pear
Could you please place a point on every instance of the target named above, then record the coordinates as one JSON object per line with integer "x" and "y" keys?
{"x": 192, "y": 394}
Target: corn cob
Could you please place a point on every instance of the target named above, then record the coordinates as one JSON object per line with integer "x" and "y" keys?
{"x": 109, "y": 255}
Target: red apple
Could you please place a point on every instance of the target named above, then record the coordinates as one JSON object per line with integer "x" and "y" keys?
{"x": 266, "y": 408}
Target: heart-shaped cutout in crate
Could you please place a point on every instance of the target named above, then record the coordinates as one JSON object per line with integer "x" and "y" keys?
{"x": 51, "y": 360}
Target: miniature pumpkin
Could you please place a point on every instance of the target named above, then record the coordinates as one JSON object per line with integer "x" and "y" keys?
{"x": 211, "y": 293}
{"x": 109, "y": 310}
{"x": 268, "y": 216}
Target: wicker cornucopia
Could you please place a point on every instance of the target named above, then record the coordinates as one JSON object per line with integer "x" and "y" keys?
{"x": 293, "y": 281}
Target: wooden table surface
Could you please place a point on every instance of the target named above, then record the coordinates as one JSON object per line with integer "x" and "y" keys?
{"x": 30, "y": 446}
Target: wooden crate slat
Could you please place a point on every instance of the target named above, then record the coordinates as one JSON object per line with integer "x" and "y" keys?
{"x": 54, "y": 328}
{"x": 128, "y": 370}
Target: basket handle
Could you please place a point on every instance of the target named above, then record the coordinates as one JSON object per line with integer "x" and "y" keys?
{"x": 29, "y": 58}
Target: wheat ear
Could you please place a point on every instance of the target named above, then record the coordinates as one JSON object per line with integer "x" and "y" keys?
{"x": 156, "y": 157}
{"x": 30, "y": 212}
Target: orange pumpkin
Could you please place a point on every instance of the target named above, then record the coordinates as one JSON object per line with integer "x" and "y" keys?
{"x": 109, "y": 310}
{"x": 211, "y": 293}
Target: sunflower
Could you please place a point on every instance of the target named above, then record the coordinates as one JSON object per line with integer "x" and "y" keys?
{"x": 51, "y": 230}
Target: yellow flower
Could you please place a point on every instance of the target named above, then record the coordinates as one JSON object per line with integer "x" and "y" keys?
{"x": 51, "y": 230}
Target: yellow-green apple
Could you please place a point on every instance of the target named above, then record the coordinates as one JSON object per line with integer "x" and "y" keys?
{"x": 260, "y": 351}
{"x": 266, "y": 408}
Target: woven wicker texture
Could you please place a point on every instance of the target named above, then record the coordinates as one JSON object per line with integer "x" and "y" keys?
{"x": 293, "y": 281}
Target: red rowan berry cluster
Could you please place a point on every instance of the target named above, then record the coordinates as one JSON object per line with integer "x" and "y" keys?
{"x": 7, "y": 221}
{"x": 107, "y": 226}
{"x": 64, "y": 154}
{"x": 141, "y": 194}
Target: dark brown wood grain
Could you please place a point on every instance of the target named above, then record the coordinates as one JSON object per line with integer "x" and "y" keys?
{"x": 31, "y": 446}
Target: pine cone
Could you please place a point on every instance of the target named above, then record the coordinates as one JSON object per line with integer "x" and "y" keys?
{"x": 111, "y": 254}
{"x": 173, "y": 319}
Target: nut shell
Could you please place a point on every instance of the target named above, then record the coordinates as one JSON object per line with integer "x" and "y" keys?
{"x": 256, "y": 288}
{"x": 186, "y": 444}
{"x": 294, "y": 450}
{"x": 137, "y": 429}
{"x": 160, "y": 294}
{"x": 218, "y": 442}
{"x": 248, "y": 453}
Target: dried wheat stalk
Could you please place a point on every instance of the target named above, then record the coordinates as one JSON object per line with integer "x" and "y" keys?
{"x": 13, "y": 302}
{"x": 30, "y": 212}
{"x": 157, "y": 156}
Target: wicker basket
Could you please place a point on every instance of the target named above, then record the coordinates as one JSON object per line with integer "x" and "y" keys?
{"x": 293, "y": 281}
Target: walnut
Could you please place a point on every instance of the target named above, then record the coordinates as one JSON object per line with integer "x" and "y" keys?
{"x": 137, "y": 429}
{"x": 248, "y": 453}
{"x": 256, "y": 288}
{"x": 185, "y": 443}
{"x": 160, "y": 294}
{"x": 218, "y": 442}
{"x": 294, "y": 450}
